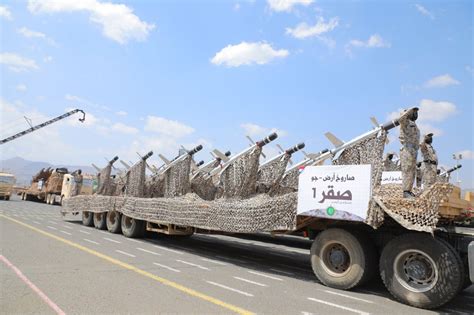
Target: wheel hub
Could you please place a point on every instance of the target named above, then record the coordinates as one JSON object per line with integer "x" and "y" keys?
{"x": 416, "y": 271}
{"x": 336, "y": 258}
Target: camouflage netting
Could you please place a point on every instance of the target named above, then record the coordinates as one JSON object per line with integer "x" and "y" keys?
{"x": 271, "y": 174}
{"x": 368, "y": 151}
{"x": 237, "y": 210}
{"x": 420, "y": 214}
{"x": 107, "y": 186}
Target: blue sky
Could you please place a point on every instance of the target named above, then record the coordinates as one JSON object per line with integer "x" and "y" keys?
{"x": 154, "y": 75}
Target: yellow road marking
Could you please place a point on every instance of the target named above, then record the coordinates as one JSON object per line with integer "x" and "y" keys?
{"x": 114, "y": 261}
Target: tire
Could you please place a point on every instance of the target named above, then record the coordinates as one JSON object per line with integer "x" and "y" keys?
{"x": 100, "y": 221}
{"x": 420, "y": 270}
{"x": 341, "y": 259}
{"x": 132, "y": 228}
{"x": 87, "y": 218}
{"x": 465, "y": 276}
{"x": 114, "y": 222}
{"x": 61, "y": 201}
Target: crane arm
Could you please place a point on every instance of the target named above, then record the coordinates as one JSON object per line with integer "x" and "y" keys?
{"x": 46, "y": 123}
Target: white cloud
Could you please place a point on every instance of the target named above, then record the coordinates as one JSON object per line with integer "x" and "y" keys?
{"x": 430, "y": 112}
{"x": 286, "y": 5}
{"x": 21, "y": 87}
{"x": 303, "y": 30}
{"x": 467, "y": 154}
{"x": 254, "y": 130}
{"x": 122, "y": 128}
{"x": 118, "y": 21}
{"x": 436, "y": 111}
{"x": 236, "y": 7}
{"x": 374, "y": 41}
{"x": 34, "y": 34}
{"x": 424, "y": 11}
{"x": 167, "y": 127}
{"x": 48, "y": 59}
{"x": 5, "y": 12}
{"x": 17, "y": 63}
{"x": 121, "y": 113}
{"x": 469, "y": 69}
{"x": 30, "y": 33}
{"x": 247, "y": 54}
{"x": 441, "y": 81}
{"x": 73, "y": 98}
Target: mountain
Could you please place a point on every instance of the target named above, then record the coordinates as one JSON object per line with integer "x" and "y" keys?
{"x": 25, "y": 169}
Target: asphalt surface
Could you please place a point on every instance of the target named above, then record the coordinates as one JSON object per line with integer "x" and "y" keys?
{"x": 82, "y": 270}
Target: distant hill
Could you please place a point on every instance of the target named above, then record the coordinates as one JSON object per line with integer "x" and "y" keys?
{"x": 25, "y": 169}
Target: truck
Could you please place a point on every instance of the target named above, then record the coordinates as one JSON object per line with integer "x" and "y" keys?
{"x": 7, "y": 181}
{"x": 359, "y": 228}
{"x": 68, "y": 186}
{"x": 46, "y": 186}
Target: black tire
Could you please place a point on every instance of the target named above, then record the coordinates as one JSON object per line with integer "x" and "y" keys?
{"x": 87, "y": 218}
{"x": 114, "y": 222}
{"x": 420, "y": 270}
{"x": 341, "y": 259}
{"x": 465, "y": 276}
{"x": 132, "y": 228}
{"x": 100, "y": 220}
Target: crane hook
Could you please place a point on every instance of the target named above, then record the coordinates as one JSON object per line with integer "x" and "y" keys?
{"x": 83, "y": 116}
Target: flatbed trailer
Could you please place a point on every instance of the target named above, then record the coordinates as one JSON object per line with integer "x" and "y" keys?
{"x": 424, "y": 257}
{"x": 46, "y": 186}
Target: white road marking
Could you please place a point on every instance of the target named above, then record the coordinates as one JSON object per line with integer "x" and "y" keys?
{"x": 339, "y": 306}
{"x": 348, "y": 296}
{"x": 36, "y": 222}
{"x": 111, "y": 240}
{"x": 85, "y": 232}
{"x": 93, "y": 242}
{"x": 282, "y": 271}
{"x": 125, "y": 253}
{"x": 68, "y": 227}
{"x": 169, "y": 250}
{"x": 148, "y": 251}
{"x": 52, "y": 228}
{"x": 191, "y": 264}
{"x": 232, "y": 259}
{"x": 67, "y": 233}
{"x": 230, "y": 289}
{"x": 52, "y": 222}
{"x": 250, "y": 281}
{"x": 264, "y": 275}
{"x": 214, "y": 261}
{"x": 166, "y": 267}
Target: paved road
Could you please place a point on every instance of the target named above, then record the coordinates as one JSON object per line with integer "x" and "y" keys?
{"x": 81, "y": 270}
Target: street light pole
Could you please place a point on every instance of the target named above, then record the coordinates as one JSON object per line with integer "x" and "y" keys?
{"x": 457, "y": 157}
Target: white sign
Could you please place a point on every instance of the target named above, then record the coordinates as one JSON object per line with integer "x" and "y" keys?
{"x": 335, "y": 191}
{"x": 391, "y": 178}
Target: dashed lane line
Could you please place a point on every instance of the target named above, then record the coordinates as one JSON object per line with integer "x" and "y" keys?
{"x": 64, "y": 232}
{"x": 168, "y": 249}
{"x": 36, "y": 222}
{"x": 148, "y": 251}
{"x": 282, "y": 271}
{"x": 348, "y": 296}
{"x": 339, "y": 306}
{"x": 167, "y": 267}
{"x": 51, "y": 227}
{"x": 264, "y": 275}
{"x": 90, "y": 241}
{"x": 250, "y": 281}
{"x": 85, "y": 232}
{"x": 214, "y": 261}
{"x": 191, "y": 264}
{"x": 125, "y": 253}
{"x": 229, "y": 288}
{"x": 232, "y": 259}
{"x": 68, "y": 227}
{"x": 112, "y": 240}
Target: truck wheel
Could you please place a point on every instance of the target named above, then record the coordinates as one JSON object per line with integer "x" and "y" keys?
{"x": 114, "y": 222}
{"x": 87, "y": 218}
{"x": 341, "y": 259}
{"x": 99, "y": 220}
{"x": 420, "y": 270}
{"x": 132, "y": 228}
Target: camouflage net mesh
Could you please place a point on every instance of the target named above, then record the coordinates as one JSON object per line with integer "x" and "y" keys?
{"x": 107, "y": 185}
{"x": 420, "y": 214}
{"x": 231, "y": 212}
{"x": 271, "y": 174}
{"x": 368, "y": 151}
